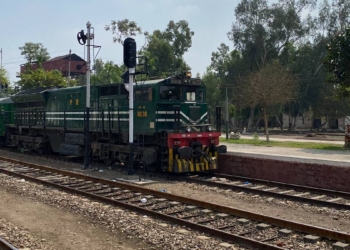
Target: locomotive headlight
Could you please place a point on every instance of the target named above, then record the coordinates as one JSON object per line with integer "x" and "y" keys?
{"x": 209, "y": 128}
{"x": 188, "y": 129}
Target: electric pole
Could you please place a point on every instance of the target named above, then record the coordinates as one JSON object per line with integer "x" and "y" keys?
{"x": 70, "y": 51}
{"x": 226, "y": 115}
{"x": 1, "y": 68}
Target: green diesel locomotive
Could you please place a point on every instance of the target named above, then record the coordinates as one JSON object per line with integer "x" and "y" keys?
{"x": 171, "y": 129}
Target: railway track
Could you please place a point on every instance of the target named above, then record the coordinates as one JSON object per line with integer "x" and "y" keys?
{"x": 304, "y": 194}
{"x": 4, "y": 245}
{"x": 230, "y": 224}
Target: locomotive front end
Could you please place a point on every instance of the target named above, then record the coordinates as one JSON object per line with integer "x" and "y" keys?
{"x": 194, "y": 151}
{"x": 192, "y": 142}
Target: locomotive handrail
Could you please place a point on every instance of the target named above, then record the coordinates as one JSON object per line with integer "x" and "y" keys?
{"x": 110, "y": 117}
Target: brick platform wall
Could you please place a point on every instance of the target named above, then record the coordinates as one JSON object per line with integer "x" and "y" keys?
{"x": 315, "y": 175}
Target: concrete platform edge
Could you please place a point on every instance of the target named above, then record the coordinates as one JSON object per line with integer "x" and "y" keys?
{"x": 299, "y": 159}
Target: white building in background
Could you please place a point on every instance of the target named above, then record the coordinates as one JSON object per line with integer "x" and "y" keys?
{"x": 306, "y": 121}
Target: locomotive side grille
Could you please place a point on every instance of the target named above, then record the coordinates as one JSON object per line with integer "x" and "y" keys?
{"x": 195, "y": 113}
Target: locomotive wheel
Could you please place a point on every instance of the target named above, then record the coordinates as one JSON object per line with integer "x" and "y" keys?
{"x": 40, "y": 150}
{"x": 108, "y": 161}
{"x": 151, "y": 167}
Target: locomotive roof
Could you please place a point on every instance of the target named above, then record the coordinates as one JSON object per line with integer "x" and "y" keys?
{"x": 35, "y": 91}
{"x": 6, "y": 100}
{"x": 155, "y": 81}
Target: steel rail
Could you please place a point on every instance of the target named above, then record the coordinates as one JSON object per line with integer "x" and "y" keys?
{"x": 240, "y": 240}
{"x": 325, "y": 233}
{"x": 280, "y": 184}
{"x": 4, "y": 245}
{"x": 271, "y": 193}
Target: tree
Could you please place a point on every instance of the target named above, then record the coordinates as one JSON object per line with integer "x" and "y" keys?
{"x": 271, "y": 85}
{"x": 4, "y": 82}
{"x": 41, "y": 78}
{"x": 165, "y": 49}
{"x": 228, "y": 66}
{"x": 179, "y": 36}
{"x": 106, "y": 72}
{"x": 338, "y": 61}
{"x": 34, "y": 52}
{"x": 4, "y": 77}
{"x": 123, "y": 29}
{"x": 212, "y": 83}
{"x": 261, "y": 31}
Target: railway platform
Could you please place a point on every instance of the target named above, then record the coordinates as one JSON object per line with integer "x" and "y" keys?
{"x": 301, "y": 155}
{"x": 327, "y": 169}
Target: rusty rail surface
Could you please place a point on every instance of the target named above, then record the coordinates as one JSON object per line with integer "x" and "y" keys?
{"x": 267, "y": 192}
{"x": 282, "y": 185}
{"x": 325, "y": 233}
{"x": 4, "y": 245}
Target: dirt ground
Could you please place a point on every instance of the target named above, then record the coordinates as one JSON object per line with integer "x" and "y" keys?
{"x": 61, "y": 229}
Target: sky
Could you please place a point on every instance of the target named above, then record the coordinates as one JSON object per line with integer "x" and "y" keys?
{"x": 55, "y": 24}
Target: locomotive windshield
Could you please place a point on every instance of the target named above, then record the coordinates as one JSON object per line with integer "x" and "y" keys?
{"x": 173, "y": 93}
{"x": 181, "y": 93}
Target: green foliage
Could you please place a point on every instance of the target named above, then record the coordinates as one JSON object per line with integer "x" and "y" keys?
{"x": 262, "y": 31}
{"x": 4, "y": 82}
{"x": 123, "y": 29}
{"x": 255, "y": 136}
{"x": 4, "y": 77}
{"x": 106, "y": 72}
{"x": 212, "y": 83}
{"x": 165, "y": 49}
{"x": 273, "y": 84}
{"x": 338, "y": 61}
{"x": 34, "y": 52}
{"x": 179, "y": 36}
{"x": 41, "y": 78}
{"x": 288, "y": 144}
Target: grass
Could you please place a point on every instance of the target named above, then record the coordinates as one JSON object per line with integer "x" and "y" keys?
{"x": 289, "y": 144}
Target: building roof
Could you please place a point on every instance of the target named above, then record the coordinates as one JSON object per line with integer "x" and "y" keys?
{"x": 74, "y": 57}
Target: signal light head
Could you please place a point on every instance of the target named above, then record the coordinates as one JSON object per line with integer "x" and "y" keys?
{"x": 130, "y": 52}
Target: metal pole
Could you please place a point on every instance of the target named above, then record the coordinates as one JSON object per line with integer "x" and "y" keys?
{"x": 87, "y": 132}
{"x": 226, "y": 115}
{"x": 1, "y": 68}
{"x": 70, "y": 51}
{"x": 131, "y": 120}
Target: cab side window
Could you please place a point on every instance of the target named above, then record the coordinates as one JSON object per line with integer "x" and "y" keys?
{"x": 144, "y": 94}
{"x": 200, "y": 95}
{"x": 170, "y": 93}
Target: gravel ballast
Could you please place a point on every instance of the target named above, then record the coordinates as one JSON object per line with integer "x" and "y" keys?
{"x": 156, "y": 234}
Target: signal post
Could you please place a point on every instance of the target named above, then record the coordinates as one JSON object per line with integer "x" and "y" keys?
{"x": 82, "y": 39}
{"x": 130, "y": 62}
